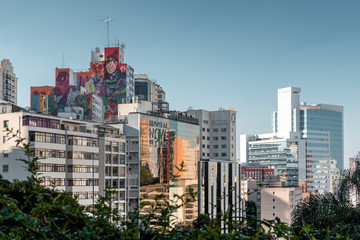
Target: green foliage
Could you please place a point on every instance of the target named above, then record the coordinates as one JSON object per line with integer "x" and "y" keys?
{"x": 332, "y": 212}
{"x": 31, "y": 211}
{"x": 145, "y": 176}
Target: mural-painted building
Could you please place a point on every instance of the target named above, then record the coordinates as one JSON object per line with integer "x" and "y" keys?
{"x": 108, "y": 79}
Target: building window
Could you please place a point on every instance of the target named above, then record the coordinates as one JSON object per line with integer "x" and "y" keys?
{"x": 232, "y": 145}
{"x": 203, "y": 137}
{"x": 223, "y": 154}
{"x": 273, "y": 214}
{"x": 203, "y": 146}
{"x": 5, "y": 138}
{"x": 215, "y": 138}
{"x": 5, "y": 168}
{"x": 223, "y": 146}
{"x": 215, "y": 146}
{"x": 208, "y": 138}
{"x": 6, "y": 123}
{"x": 223, "y": 130}
{"x": 215, "y": 155}
{"x": 273, "y": 207}
{"x": 203, "y": 154}
{"x": 273, "y": 199}
{"x": 6, "y": 153}
{"x": 215, "y": 130}
{"x": 223, "y": 138}
{"x": 203, "y": 129}
{"x": 208, "y": 154}
{"x": 208, "y": 130}
{"x": 208, "y": 146}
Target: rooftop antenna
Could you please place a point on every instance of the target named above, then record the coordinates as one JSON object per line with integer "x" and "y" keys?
{"x": 117, "y": 42}
{"x": 107, "y": 20}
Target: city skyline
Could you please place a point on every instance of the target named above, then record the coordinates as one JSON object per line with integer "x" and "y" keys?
{"x": 254, "y": 47}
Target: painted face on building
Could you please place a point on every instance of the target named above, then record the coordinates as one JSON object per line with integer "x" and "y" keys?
{"x": 111, "y": 67}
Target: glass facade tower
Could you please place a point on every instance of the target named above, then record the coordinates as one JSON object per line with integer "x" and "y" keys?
{"x": 326, "y": 118}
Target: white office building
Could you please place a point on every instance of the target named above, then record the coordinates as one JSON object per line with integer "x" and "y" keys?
{"x": 217, "y": 133}
{"x": 283, "y": 153}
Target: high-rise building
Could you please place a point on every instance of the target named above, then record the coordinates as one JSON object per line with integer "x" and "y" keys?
{"x": 217, "y": 133}
{"x": 326, "y": 119}
{"x": 8, "y": 82}
{"x": 320, "y": 126}
{"x": 317, "y": 160}
{"x": 287, "y": 117}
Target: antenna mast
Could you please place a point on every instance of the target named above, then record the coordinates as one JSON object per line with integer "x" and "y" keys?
{"x": 107, "y": 20}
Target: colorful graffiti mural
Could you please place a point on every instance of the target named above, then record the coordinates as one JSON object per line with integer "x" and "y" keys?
{"x": 85, "y": 101}
{"x": 44, "y": 99}
{"x": 106, "y": 79}
{"x": 62, "y": 79}
{"x": 114, "y": 74}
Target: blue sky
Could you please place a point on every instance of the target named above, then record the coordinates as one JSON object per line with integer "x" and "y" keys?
{"x": 205, "y": 54}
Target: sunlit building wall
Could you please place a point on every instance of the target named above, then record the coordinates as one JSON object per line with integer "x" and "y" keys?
{"x": 169, "y": 155}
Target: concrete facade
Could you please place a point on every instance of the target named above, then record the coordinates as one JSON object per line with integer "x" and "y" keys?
{"x": 220, "y": 188}
{"x": 279, "y": 202}
{"x": 80, "y": 157}
{"x": 217, "y": 134}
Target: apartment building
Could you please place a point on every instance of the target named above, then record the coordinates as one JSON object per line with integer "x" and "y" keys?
{"x": 83, "y": 158}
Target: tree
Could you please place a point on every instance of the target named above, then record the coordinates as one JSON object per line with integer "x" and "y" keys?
{"x": 333, "y": 211}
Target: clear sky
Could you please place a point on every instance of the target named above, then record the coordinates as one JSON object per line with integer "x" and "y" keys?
{"x": 205, "y": 54}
